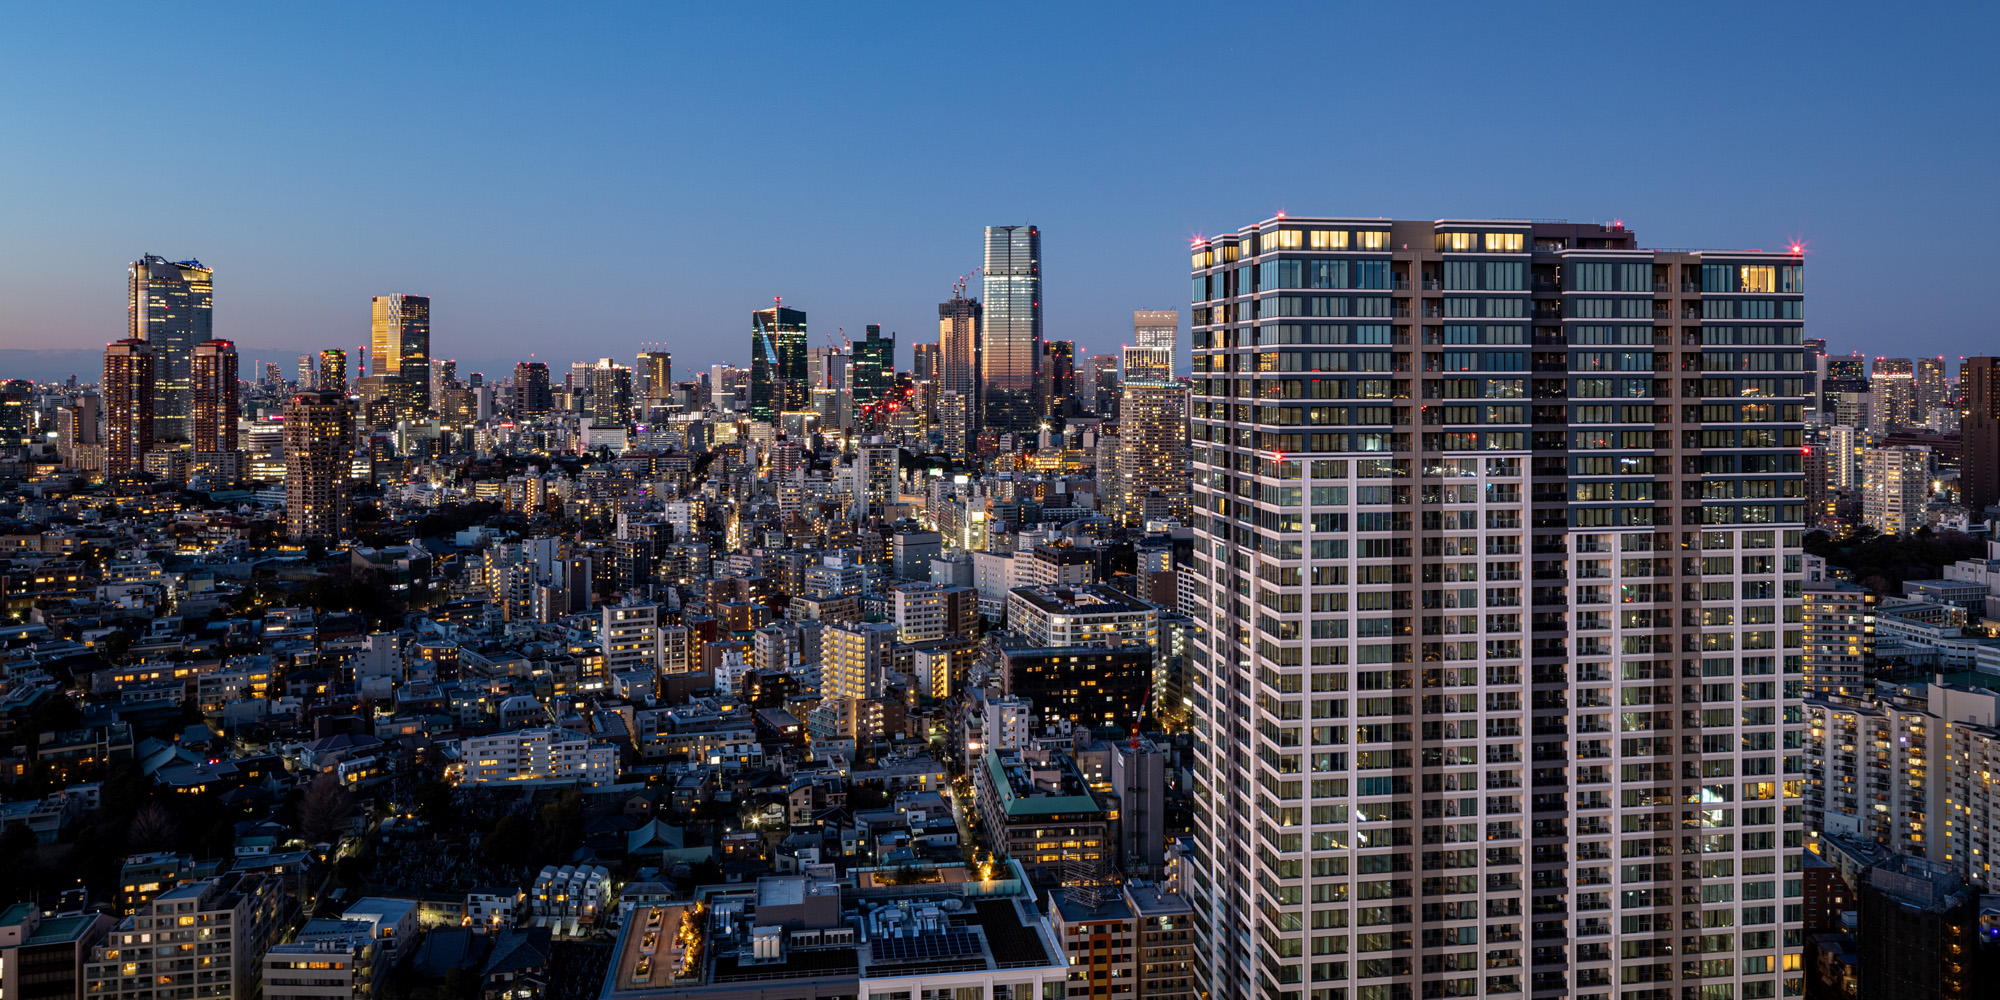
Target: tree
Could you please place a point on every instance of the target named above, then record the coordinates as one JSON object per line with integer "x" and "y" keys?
{"x": 511, "y": 841}
{"x": 153, "y": 828}
{"x": 325, "y": 809}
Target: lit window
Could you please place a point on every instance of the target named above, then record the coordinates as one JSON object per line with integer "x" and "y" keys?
{"x": 1456, "y": 241}
{"x": 1374, "y": 239}
{"x": 1503, "y": 242}
{"x": 1759, "y": 278}
{"x": 1329, "y": 239}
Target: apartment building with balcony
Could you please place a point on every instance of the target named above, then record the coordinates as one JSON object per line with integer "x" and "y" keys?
{"x": 1498, "y": 567}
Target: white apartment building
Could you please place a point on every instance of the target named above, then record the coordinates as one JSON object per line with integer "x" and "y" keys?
{"x": 328, "y": 961}
{"x": 630, "y": 634}
{"x": 544, "y": 755}
{"x": 1498, "y": 529}
{"x": 1090, "y": 615}
{"x": 572, "y": 892}
{"x": 1894, "y": 484}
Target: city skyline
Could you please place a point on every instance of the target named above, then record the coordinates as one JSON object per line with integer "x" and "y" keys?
{"x": 1113, "y": 215}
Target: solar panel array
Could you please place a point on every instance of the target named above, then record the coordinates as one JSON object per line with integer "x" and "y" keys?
{"x": 926, "y": 947}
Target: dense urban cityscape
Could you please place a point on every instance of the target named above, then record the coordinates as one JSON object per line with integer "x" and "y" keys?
{"x": 1497, "y": 607}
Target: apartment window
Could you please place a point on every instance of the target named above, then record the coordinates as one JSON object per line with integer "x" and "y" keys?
{"x": 1327, "y": 239}
{"x": 1460, "y": 275}
{"x": 1374, "y": 239}
{"x": 1504, "y": 242}
{"x": 1758, "y": 278}
{"x": 1590, "y": 278}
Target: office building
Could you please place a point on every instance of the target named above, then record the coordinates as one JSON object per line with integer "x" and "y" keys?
{"x": 1010, "y": 334}
{"x": 1156, "y": 328}
{"x": 129, "y": 398}
{"x": 1979, "y": 472}
{"x": 874, "y": 366}
{"x": 319, "y": 448}
{"x": 958, "y": 362}
{"x": 924, "y": 363}
{"x": 401, "y": 335}
{"x": 655, "y": 373}
{"x": 1058, "y": 376}
{"x": 1894, "y": 483}
{"x": 533, "y": 394}
{"x": 204, "y": 939}
{"x": 216, "y": 405}
{"x": 1104, "y": 377}
{"x": 1038, "y": 812}
{"x": 169, "y": 305}
{"x": 541, "y": 755}
{"x": 778, "y": 381}
{"x": 1461, "y": 488}
{"x": 1101, "y": 686}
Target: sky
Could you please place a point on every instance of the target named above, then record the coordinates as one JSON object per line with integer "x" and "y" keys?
{"x": 574, "y": 181}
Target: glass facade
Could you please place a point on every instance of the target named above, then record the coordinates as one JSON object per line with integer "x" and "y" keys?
{"x": 874, "y": 365}
{"x": 169, "y": 304}
{"x": 778, "y": 382}
{"x": 1011, "y": 338}
{"x": 402, "y": 346}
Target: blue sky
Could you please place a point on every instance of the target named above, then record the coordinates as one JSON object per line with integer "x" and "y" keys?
{"x": 574, "y": 180}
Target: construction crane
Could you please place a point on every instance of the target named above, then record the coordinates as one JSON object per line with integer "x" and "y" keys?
{"x": 958, "y": 289}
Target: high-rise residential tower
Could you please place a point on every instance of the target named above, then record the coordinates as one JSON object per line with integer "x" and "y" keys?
{"x": 778, "y": 363}
{"x": 217, "y": 394}
{"x": 332, "y": 371}
{"x": 1010, "y": 336}
{"x": 874, "y": 366}
{"x": 1893, "y": 383}
{"x": 958, "y": 350}
{"x": 169, "y": 305}
{"x": 1498, "y": 691}
{"x": 129, "y": 398}
{"x": 923, "y": 362}
{"x": 319, "y": 449}
{"x": 402, "y": 342}
{"x": 1152, "y": 474}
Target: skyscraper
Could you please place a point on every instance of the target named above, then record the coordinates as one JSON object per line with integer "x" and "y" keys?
{"x": 308, "y": 372}
{"x": 1932, "y": 393}
{"x": 874, "y": 365}
{"x": 777, "y": 363}
{"x": 319, "y": 447}
{"x": 1058, "y": 376}
{"x": 1979, "y": 477}
{"x": 1010, "y": 338}
{"x": 958, "y": 350}
{"x": 923, "y": 362}
{"x": 1893, "y": 383}
{"x": 533, "y": 396}
{"x": 655, "y": 372}
{"x": 169, "y": 305}
{"x": 1495, "y": 692}
{"x": 129, "y": 397}
{"x": 1152, "y": 479}
{"x": 216, "y": 396}
{"x": 332, "y": 370}
{"x": 402, "y": 342}
{"x": 607, "y": 392}
{"x": 1157, "y": 328}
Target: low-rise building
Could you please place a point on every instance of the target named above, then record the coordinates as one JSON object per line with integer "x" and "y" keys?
{"x": 544, "y": 755}
{"x": 1037, "y": 810}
